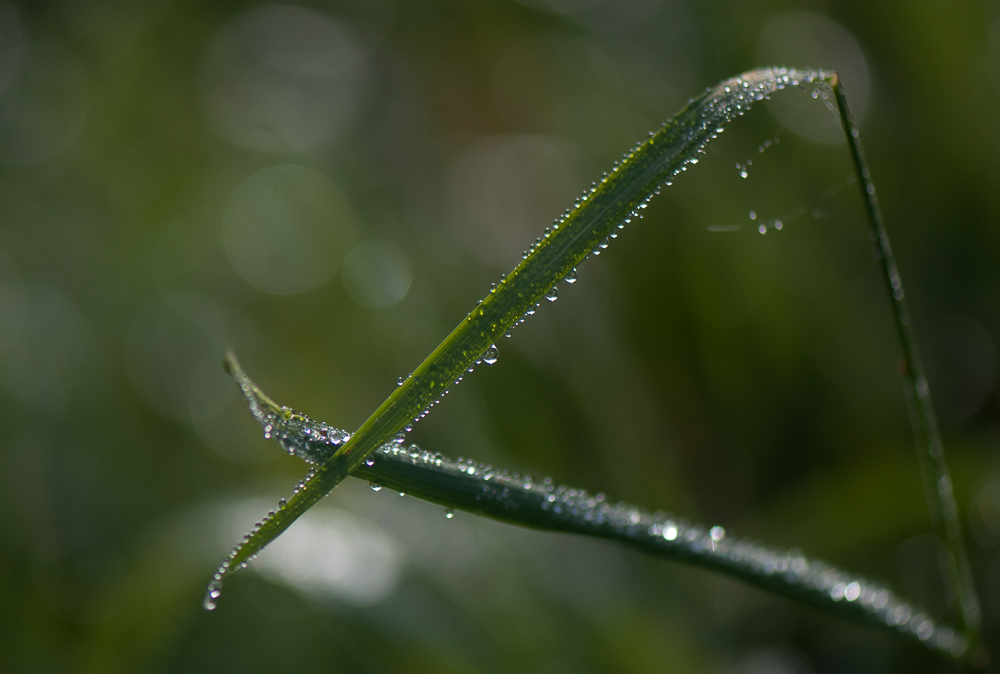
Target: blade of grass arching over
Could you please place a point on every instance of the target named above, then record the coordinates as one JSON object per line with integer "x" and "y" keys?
{"x": 930, "y": 449}
{"x": 617, "y": 199}
{"x": 541, "y": 504}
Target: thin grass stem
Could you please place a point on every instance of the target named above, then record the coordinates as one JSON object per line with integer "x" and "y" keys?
{"x": 930, "y": 449}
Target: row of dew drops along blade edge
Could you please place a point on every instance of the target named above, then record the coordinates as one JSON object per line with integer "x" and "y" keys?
{"x": 583, "y": 512}
{"x": 300, "y": 436}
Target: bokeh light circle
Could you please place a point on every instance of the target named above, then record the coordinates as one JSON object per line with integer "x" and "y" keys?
{"x": 286, "y": 228}
{"x": 811, "y": 40}
{"x": 377, "y": 274}
{"x": 283, "y": 79}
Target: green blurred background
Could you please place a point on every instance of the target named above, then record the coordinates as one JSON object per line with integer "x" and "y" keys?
{"x": 329, "y": 187}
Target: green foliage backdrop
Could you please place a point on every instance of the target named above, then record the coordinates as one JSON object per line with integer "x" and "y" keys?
{"x": 328, "y": 188}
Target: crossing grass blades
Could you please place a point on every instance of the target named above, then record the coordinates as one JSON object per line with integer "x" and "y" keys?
{"x": 378, "y": 450}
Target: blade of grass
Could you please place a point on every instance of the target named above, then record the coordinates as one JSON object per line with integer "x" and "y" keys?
{"x": 613, "y": 202}
{"x": 541, "y": 504}
{"x": 617, "y": 199}
{"x": 930, "y": 449}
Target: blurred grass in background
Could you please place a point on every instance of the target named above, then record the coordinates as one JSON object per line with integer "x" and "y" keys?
{"x": 329, "y": 187}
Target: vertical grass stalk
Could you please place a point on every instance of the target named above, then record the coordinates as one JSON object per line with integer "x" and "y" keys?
{"x": 930, "y": 450}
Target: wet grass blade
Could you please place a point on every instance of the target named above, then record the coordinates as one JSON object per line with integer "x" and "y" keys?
{"x": 610, "y": 204}
{"x": 934, "y": 471}
{"x": 583, "y": 231}
{"x": 541, "y": 504}
{"x": 483, "y": 490}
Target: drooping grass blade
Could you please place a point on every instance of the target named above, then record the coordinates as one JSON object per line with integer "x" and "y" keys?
{"x": 542, "y": 504}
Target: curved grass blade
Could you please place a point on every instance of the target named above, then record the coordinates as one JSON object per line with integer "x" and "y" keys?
{"x": 541, "y": 504}
{"x": 617, "y": 199}
{"x": 930, "y": 449}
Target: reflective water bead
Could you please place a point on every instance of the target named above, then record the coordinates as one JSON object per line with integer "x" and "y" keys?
{"x": 375, "y": 486}
{"x": 491, "y": 355}
{"x": 449, "y": 513}
{"x": 553, "y": 294}
{"x": 570, "y": 276}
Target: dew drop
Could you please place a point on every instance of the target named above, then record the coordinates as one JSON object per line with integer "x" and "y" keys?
{"x": 374, "y": 486}
{"x": 570, "y": 276}
{"x": 210, "y": 602}
{"x": 762, "y": 229}
{"x": 753, "y": 215}
{"x": 778, "y": 225}
{"x": 491, "y": 355}
{"x": 449, "y": 513}
{"x": 553, "y": 294}
{"x": 399, "y": 438}
{"x": 399, "y": 382}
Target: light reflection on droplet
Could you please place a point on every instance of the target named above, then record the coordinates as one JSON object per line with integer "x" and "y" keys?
{"x": 852, "y": 591}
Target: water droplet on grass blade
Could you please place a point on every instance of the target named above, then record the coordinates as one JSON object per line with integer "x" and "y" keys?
{"x": 374, "y": 486}
{"x": 491, "y": 354}
{"x": 570, "y": 276}
{"x": 552, "y": 295}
